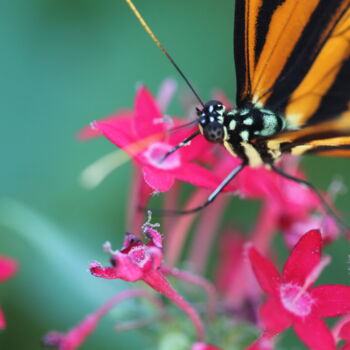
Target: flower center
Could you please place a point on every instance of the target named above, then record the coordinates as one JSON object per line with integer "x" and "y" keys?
{"x": 296, "y": 300}
{"x": 156, "y": 151}
{"x": 139, "y": 255}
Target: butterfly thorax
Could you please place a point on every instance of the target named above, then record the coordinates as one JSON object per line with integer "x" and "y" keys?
{"x": 238, "y": 129}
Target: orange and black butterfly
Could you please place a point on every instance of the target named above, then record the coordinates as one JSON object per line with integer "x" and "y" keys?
{"x": 292, "y": 61}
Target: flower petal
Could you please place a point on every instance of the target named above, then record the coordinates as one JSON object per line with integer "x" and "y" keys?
{"x": 199, "y": 176}
{"x": 120, "y": 136}
{"x": 265, "y": 272}
{"x": 314, "y": 333}
{"x": 196, "y": 149}
{"x": 159, "y": 180}
{"x": 97, "y": 270}
{"x": 119, "y": 118}
{"x": 304, "y": 257}
{"x": 125, "y": 270}
{"x": 148, "y": 117}
{"x": 8, "y": 267}
{"x": 155, "y": 237}
{"x": 273, "y": 317}
{"x": 331, "y": 300}
{"x": 345, "y": 332}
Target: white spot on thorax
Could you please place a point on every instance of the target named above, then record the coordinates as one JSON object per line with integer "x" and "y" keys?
{"x": 270, "y": 124}
{"x": 232, "y": 112}
{"x": 244, "y": 111}
{"x": 220, "y": 119}
{"x": 232, "y": 125}
{"x": 244, "y": 135}
{"x": 248, "y": 121}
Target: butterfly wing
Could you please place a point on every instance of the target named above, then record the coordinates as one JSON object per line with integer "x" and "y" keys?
{"x": 292, "y": 56}
{"x": 330, "y": 138}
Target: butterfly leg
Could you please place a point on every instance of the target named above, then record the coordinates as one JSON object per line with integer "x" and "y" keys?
{"x": 211, "y": 197}
{"x": 179, "y": 145}
{"x": 328, "y": 208}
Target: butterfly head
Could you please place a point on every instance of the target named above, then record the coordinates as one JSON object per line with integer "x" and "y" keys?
{"x": 211, "y": 119}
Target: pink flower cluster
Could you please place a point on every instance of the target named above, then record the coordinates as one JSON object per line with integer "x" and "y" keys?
{"x": 245, "y": 258}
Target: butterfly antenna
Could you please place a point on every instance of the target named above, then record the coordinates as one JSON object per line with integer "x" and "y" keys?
{"x": 161, "y": 47}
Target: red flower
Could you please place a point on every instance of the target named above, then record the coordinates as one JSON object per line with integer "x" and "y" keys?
{"x": 291, "y": 300}
{"x": 8, "y": 267}
{"x": 142, "y": 261}
{"x": 145, "y": 138}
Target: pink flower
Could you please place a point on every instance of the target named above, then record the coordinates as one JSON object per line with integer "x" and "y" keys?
{"x": 290, "y": 199}
{"x": 292, "y": 231}
{"x": 8, "y": 267}
{"x": 291, "y": 300}
{"x": 142, "y": 261}
{"x": 135, "y": 261}
{"x": 146, "y": 138}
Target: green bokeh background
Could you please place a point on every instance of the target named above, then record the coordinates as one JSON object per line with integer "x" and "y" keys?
{"x": 63, "y": 64}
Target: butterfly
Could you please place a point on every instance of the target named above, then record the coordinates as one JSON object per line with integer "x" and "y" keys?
{"x": 292, "y": 60}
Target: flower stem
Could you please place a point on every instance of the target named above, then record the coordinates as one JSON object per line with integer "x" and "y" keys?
{"x": 204, "y": 235}
{"x": 159, "y": 283}
{"x": 198, "y": 281}
{"x": 139, "y": 194}
{"x": 176, "y": 239}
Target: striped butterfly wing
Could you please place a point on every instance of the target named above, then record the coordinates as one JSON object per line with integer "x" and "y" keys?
{"x": 330, "y": 138}
{"x": 292, "y": 56}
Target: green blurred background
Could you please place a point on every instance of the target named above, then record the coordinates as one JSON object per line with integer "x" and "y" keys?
{"x": 63, "y": 64}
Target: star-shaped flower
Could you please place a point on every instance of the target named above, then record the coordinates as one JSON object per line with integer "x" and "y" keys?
{"x": 291, "y": 300}
{"x": 143, "y": 261}
{"x": 145, "y": 137}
